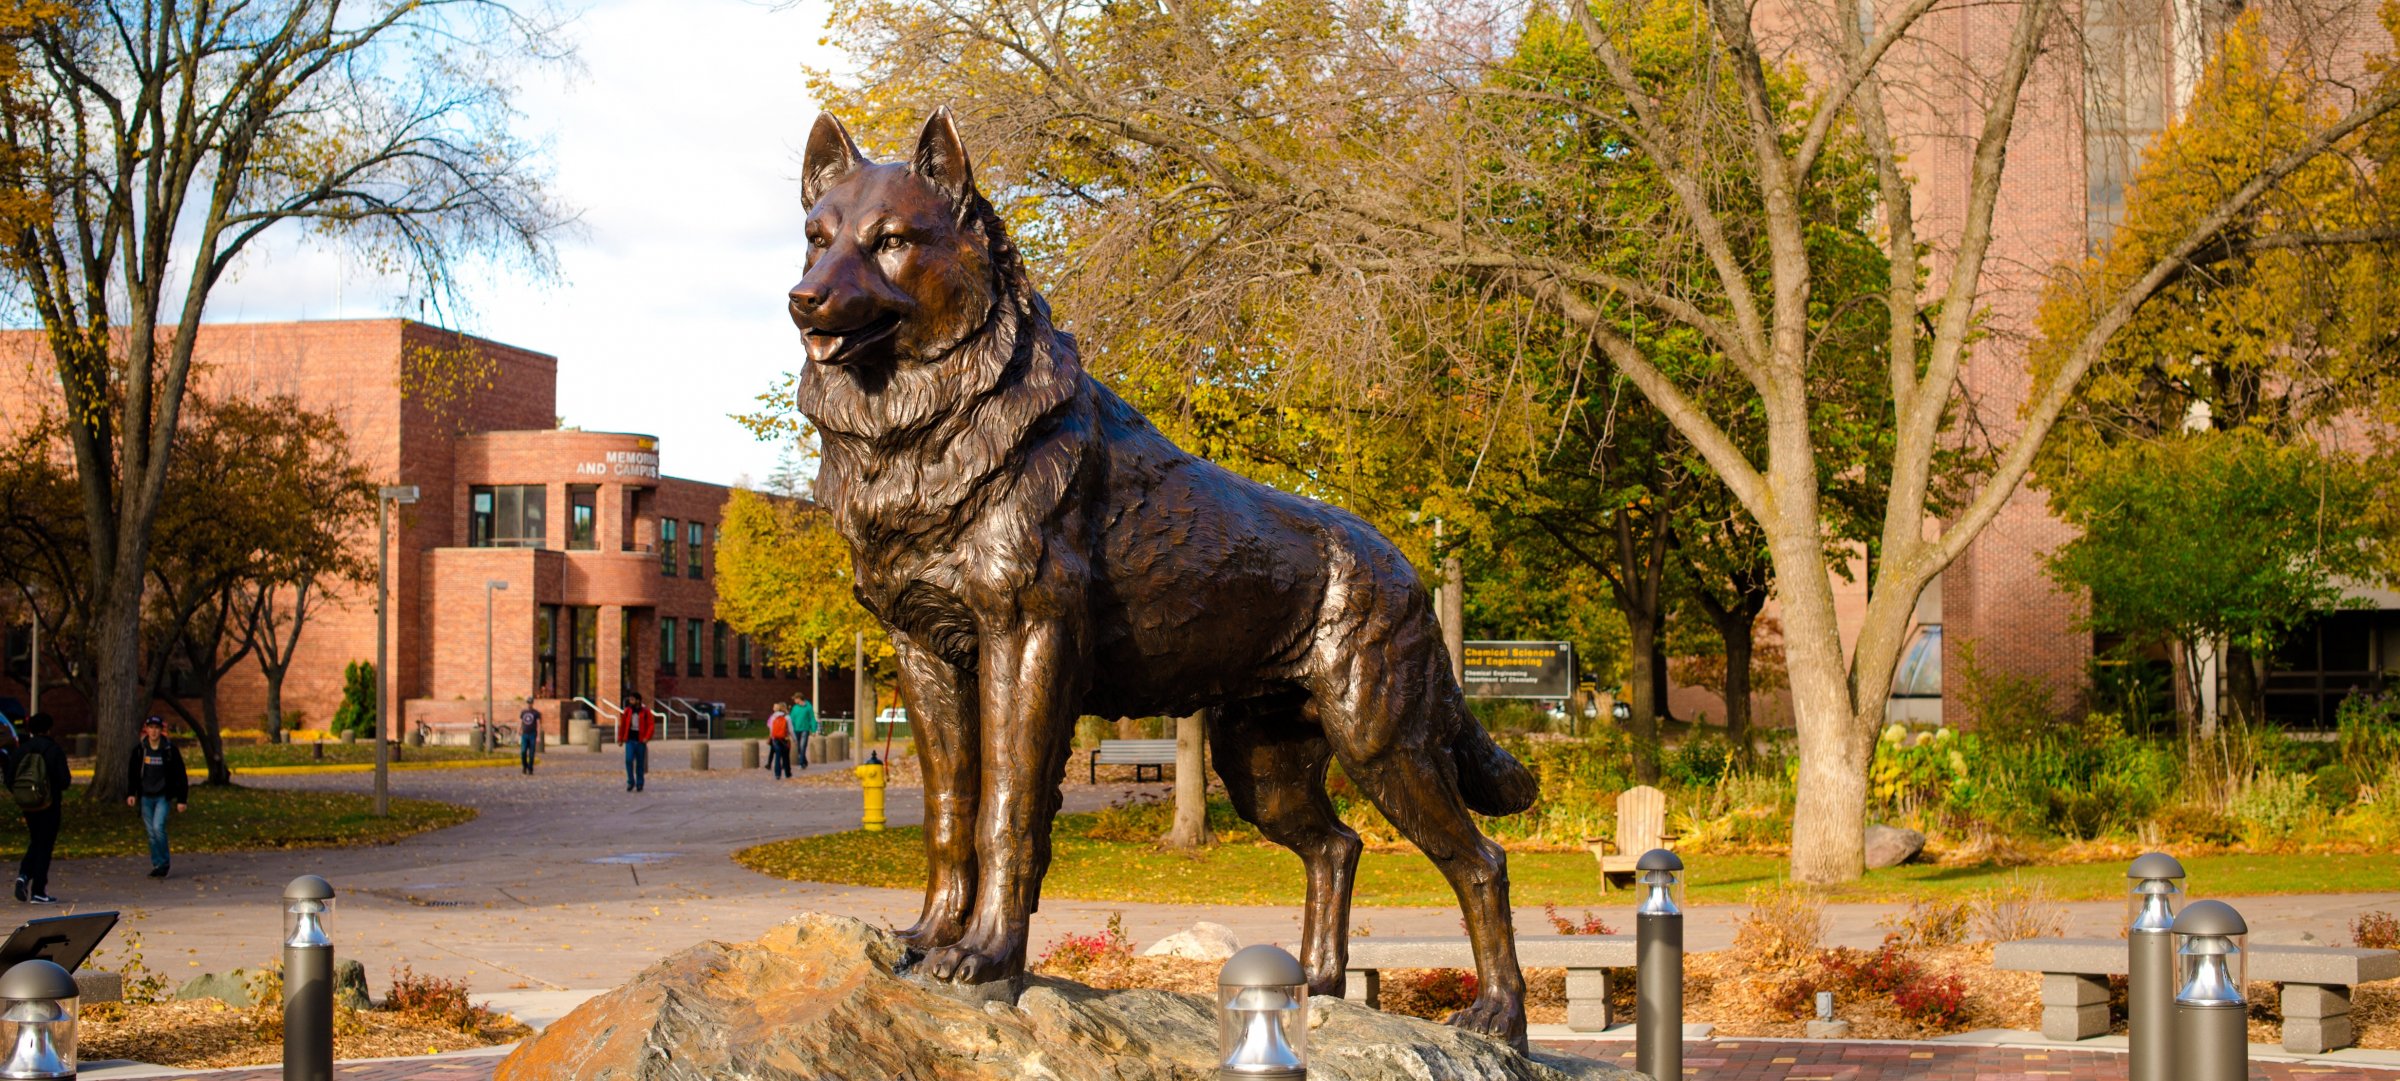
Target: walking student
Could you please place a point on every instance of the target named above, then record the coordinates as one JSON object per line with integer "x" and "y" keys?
{"x": 529, "y": 735}
{"x": 159, "y": 782}
{"x": 38, "y": 782}
{"x": 779, "y": 743}
{"x": 804, "y": 725}
{"x": 635, "y": 727}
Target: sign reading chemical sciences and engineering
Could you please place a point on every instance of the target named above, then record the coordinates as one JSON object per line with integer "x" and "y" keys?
{"x": 1520, "y": 669}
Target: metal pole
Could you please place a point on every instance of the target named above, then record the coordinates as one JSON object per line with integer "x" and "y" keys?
{"x": 2150, "y": 971}
{"x": 34, "y": 690}
{"x": 2212, "y": 1043}
{"x": 307, "y": 990}
{"x": 2212, "y": 1021}
{"x": 383, "y": 671}
{"x": 1658, "y": 977}
{"x": 860, "y": 707}
{"x": 483, "y": 736}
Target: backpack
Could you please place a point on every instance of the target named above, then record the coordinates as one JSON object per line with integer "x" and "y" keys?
{"x": 31, "y": 786}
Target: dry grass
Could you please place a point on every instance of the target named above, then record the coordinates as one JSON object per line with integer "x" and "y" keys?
{"x": 208, "y": 1034}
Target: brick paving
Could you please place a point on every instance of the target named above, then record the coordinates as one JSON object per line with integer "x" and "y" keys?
{"x": 1710, "y": 1060}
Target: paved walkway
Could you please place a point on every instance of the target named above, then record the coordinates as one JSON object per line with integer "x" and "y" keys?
{"x": 1711, "y": 1060}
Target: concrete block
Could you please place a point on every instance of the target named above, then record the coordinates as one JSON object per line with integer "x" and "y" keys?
{"x": 1587, "y": 1014}
{"x": 1363, "y": 986}
{"x": 1829, "y": 1030}
{"x": 2073, "y": 989}
{"x": 2309, "y": 1000}
{"x": 2089, "y": 956}
{"x": 700, "y": 756}
{"x": 1533, "y": 951}
{"x": 2069, "y": 1023}
{"x": 93, "y": 986}
{"x": 2323, "y": 965}
{"x": 2318, "y": 1035}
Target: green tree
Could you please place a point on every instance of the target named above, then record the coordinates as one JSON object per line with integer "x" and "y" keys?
{"x": 357, "y": 711}
{"x": 158, "y": 140}
{"x": 2217, "y": 537}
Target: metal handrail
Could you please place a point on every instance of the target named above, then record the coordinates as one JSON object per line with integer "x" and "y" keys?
{"x": 671, "y": 707}
{"x": 692, "y": 708}
{"x": 608, "y": 712}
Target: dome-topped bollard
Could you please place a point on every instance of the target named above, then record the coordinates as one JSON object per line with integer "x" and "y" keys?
{"x": 1262, "y": 1016}
{"x": 2156, "y": 880}
{"x": 2212, "y": 1029}
{"x": 1658, "y": 977}
{"x": 307, "y": 981}
{"x": 38, "y": 1011}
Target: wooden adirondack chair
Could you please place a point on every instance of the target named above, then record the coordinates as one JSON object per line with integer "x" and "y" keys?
{"x": 1641, "y": 826}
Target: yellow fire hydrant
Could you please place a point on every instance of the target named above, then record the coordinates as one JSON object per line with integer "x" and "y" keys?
{"x": 870, "y": 781}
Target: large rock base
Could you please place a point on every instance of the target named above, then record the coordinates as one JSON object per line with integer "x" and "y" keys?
{"x": 818, "y": 999}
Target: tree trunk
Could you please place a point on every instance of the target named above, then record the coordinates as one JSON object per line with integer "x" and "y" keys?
{"x": 1450, "y": 608}
{"x": 119, "y": 696}
{"x": 1642, "y": 628}
{"x": 274, "y": 717}
{"x": 2245, "y": 685}
{"x": 212, "y": 736}
{"x": 1738, "y": 634}
{"x": 1191, "y": 782}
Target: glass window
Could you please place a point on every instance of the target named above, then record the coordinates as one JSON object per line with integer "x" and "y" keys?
{"x": 625, "y": 683}
{"x": 1921, "y": 667}
{"x": 719, "y": 654}
{"x": 584, "y": 671}
{"x": 630, "y": 501}
{"x": 545, "y": 649}
{"x": 666, "y": 547}
{"x": 667, "y": 630}
{"x": 741, "y": 657}
{"x": 583, "y": 517}
{"x": 692, "y": 629}
{"x": 506, "y": 516}
{"x": 695, "y": 537}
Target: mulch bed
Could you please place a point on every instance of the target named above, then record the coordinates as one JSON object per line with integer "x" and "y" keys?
{"x": 209, "y": 1034}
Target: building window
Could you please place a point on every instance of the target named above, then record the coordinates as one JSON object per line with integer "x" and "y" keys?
{"x": 625, "y": 683}
{"x": 667, "y": 630}
{"x": 719, "y": 657}
{"x": 692, "y": 629}
{"x": 545, "y": 650}
{"x": 695, "y": 537}
{"x": 666, "y": 547}
{"x": 630, "y": 500}
{"x": 505, "y": 516}
{"x": 741, "y": 657}
{"x": 583, "y": 671}
{"x": 583, "y": 517}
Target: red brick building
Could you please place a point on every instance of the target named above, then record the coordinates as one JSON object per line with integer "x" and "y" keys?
{"x": 597, "y": 568}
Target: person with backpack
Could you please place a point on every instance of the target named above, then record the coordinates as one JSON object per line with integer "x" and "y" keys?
{"x": 635, "y": 728}
{"x": 39, "y": 785}
{"x": 159, "y": 782}
{"x": 779, "y": 743}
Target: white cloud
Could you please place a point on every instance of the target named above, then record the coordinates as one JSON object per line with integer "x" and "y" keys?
{"x": 679, "y": 140}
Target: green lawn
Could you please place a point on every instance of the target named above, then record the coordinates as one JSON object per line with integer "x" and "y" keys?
{"x": 234, "y": 818}
{"x": 1088, "y": 870}
{"x": 253, "y": 755}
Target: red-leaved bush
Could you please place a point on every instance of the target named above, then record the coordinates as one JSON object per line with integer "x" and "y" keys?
{"x": 1591, "y": 924}
{"x": 1932, "y": 1000}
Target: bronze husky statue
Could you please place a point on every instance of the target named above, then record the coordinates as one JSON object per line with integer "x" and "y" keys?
{"x": 1039, "y": 552}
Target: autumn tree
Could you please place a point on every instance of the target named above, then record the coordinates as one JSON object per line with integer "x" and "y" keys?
{"x": 158, "y": 141}
{"x": 784, "y": 579}
{"x": 1320, "y": 155}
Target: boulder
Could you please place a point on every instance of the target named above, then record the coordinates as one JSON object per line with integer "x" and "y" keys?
{"x": 231, "y": 988}
{"x": 1204, "y": 942}
{"x": 350, "y": 985}
{"x": 1891, "y": 846}
{"x": 829, "y": 996}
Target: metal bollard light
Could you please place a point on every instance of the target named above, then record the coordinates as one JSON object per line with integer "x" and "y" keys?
{"x": 39, "y": 1005}
{"x": 1658, "y": 979}
{"x": 2157, "y": 879}
{"x": 307, "y": 981}
{"x": 1262, "y": 1016}
{"x": 2212, "y": 1020}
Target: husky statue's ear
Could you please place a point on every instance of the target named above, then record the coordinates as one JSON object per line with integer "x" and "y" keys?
{"x": 830, "y": 157}
{"x": 942, "y": 160}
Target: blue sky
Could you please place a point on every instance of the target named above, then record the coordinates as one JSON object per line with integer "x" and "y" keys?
{"x": 679, "y": 140}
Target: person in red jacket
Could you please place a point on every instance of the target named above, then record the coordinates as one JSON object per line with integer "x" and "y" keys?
{"x": 635, "y": 728}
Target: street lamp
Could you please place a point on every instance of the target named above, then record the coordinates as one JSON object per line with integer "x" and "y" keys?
{"x": 483, "y": 735}
{"x": 2212, "y": 1039}
{"x": 1622, "y": 711}
{"x": 385, "y": 497}
{"x": 1262, "y": 1017}
{"x": 38, "y": 1003}
{"x": 1658, "y": 972}
{"x": 307, "y": 981}
{"x": 2155, "y": 882}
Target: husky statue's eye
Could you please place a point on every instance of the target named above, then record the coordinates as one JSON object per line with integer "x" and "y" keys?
{"x": 815, "y": 239}
{"x": 890, "y": 242}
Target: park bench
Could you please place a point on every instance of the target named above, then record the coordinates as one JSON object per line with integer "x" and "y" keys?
{"x": 1141, "y": 754}
{"x": 1587, "y": 959}
{"x": 1641, "y": 826}
{"x": 2316, "y": 985}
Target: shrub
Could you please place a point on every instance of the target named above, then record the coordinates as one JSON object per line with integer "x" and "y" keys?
{"x": 357, "y": 711}
{"x": 2191, "y": 822}
{"x": 1143, "y": 817}
{"x": 1939, "y": 1000}
{"x": 1591, "y": 924}
{"x": 435, "y": 999}
{"x": 1881, "y": 971}
{"x": 1928, "y": 923}
{"x": 2375, "y": 931}
{"x": 1781, "y": 933}
{"x": 2370, "y": 732}
{"x": 2018, "y": 910}
{"x": 1083, "y": 951}
{"x": 2275, "y": 806}
{"x": 1432, "y": 993}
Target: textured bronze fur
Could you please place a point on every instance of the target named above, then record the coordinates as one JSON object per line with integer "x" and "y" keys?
{"x": 1040, "y": 552}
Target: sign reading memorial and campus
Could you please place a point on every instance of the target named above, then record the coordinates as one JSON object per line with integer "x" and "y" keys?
{"x": 1519, "y": 669}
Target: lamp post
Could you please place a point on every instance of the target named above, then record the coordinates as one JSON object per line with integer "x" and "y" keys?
{"x": 38, "y": 1003}
{"x": 1658, "y": 975}
{"x": 2212, "y": 1037}
{"x": 1620, "y": 711}
{"x": 1262, "y": 1017}
{"x": 2156, "y": 880}
{"x": 307, "y": 981}
{"x": 483, "y": 736}
{"x": 385, "y": 497}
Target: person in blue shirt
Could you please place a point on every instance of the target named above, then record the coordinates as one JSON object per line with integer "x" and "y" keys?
{"x": 159, "y": 782}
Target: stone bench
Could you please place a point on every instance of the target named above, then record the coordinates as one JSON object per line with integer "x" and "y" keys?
{"x": 2316, "y": 985}
{"x": 1587, "y": 959}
